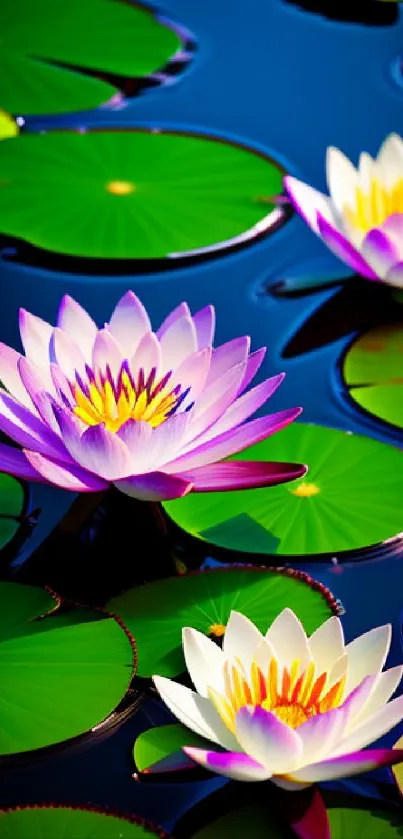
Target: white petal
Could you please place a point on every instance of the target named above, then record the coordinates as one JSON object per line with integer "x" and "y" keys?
{"x": 180, "y": 311}
{"x": 36, "y": 337}
{"x": 342, "y": 179}
{"x": 204, "y": 661}
{"x": 321, "y": 734}
{"x": 327, "y": 644}
{"x": 68, "y": 354}
{"x": 383, "y": 689}
{"x": 138, "y": 438}
{"x": 74, "y": 320}
{"x": 192, "y": 373}
{"x": 147, "y": 355}
{"x": 106, "y": 353}
{"x": 374, "y": 728}
{"x": 128, "y": 323}
{"x": 178, "y": 342}
{"x": 337, "y": 671}
{"x": 10, "y": 376}
{"x": 235, "y": 765}
{"x": 194, "y": 711}
{"x": 309, "y": 202}
{"x": 289, "y": 640}
{"x": 390, "y": 160}
{"x": 268, "y": 740}
{"x": 227, "y": 356}
{"x": 367, "y": 654}
{"x": 241, "y": 639}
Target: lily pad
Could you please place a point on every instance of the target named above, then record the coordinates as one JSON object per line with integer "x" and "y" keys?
{"x": 349, "y": 500}
{"x": 60, "y": 675}
{"x": 252, "y": 821}
{"x": 156, "y": 613}
{"x": 133, "y": 194}
{"x": 13, "y": 498}
{"x": 53, "y": 822}
{"x": 373, "y": 372}
{"x": 155, "y": 744}
{"x": 46, "y": 44}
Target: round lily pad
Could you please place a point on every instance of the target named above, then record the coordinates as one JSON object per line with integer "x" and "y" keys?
{"x": 13, "y": 498}
{"x": 54, "y": 822}
{"x": 155, "y": 744}
{"x": 156, "y": 613}
{"x": 45, "y": 45}
{"x": 373, "y": 372}
{"x": 60, "y": 675}
{"x": 133, "y": 194}
{"x": 351, "y": 498}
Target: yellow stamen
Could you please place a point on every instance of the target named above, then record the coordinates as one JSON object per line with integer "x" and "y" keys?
{"x": 305, "y": 490}
{"x": 217, "y": 629}
{"x": 120, "y": 187}
{"x": 374, "y": 205}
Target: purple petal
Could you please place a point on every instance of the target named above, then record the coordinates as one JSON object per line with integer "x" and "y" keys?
{"x": 235, "y": 765}
{"x": 380, "y": 252}
{"x": 154, "y": 486}
{"x": 226, "y": 356}
{"x": 234, "y": 441}
{"x": 67, "y": 476}
{"x": 340, "y": 246}
{"x": 214, "y": 401}
{"x": 181, "y": 311}
{"x": 175, "y": 762}
{"x": 147, "y": 355}
{"x": 61, "y": 384}
{"x": 26, "y": 429}
{"x": 178, "y": 342}
{"x": 193, "y": 373}
{"x": 204, "y": 321}
{"x": 68, "y": 354}
{"x": 252, "y": 366}
{"x": 103, "y": 453}
{"x": 35, "y": 336}
{"x": 10, "y": 376}
{"x": 106, "y": 353}
{"x": 33, "y": 382}
{"x": 393, "y": 226}
{"x": 308, "y": 202}
{"x": 268, "y": 740}
{"x": 347, "y": 765}
{"x": 74, "y": 320}
{"x": 321, "y": 733}
{"x": 138, "y": 438}
{"x": 395, "y": 275}
{"x": 14, "y": 462}
{"x": 129, "y": 322}
{"x": 242, "y": 474}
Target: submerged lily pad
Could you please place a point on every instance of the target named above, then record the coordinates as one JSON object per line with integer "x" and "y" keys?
{"x": 350, "y": 499}
{"x": 60, "y": 675}
{"x": 12, "y": 503}
{"x": 133, "y": 194}
{"x": 155, "y": 744}
{"x": 373, "y": 372}
{"x": 45, "y": 45}
{"x": 156, "y": 613}
{"x": 54, "y": 822}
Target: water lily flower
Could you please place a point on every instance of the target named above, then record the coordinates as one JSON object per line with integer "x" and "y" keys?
{"x": 362, "y": 220}
{"x": 149, "y": 412}
{"x": 285, "y": 707}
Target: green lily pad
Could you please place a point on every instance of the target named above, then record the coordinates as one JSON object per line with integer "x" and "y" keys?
{"x": 12, "y": 504}
{"x": 60, "y": 675}
{"x": 346, "y": 822}
{"x": 55, "y": 822}
{"x": 373, "y": 372}
{"x": 45, "y": 44}
{"x": 157, "y": 743}
{"x": 350, "y": 499}
{"x": 132, "y": 194}
{"x": 156, "y": 613}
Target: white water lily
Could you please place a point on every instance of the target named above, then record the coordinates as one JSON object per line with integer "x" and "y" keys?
{"x": 362, "y": 219}
{"x": 285, "y": 707}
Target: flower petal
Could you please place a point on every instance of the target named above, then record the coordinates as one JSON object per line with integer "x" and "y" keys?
{"x": 268, "y": 740}
{"x": 226, "y": 356}
{"x": 35, "y": 337}
{"x": 10, "y": 376}
{"x": 74, "y": 320}
{"x": 106, "y": 354}
{"x": 177, "y": 342}
{"x": 327, "y": 644}
{"x": 308, "y": 202}
{"x": 233, "y": 441}
{"x": 367, "y": 654}
{"x": 65, "y": 475}
{"x": 242, "y": 474}
{"x": 384, "y": 688}
{"x": 204, "y": 321}
{"x": 241, "y": 639}
{"x": 14, "y": 462}
{"x": 67, "y": 354}
{"x": 347, "y": 765}
{"x": 204, "y": 661}
{"x": 394, "y": 276}
{"x": 214, "y": 401}
{"x": 321, "y": 734}
{"x": 252, "y": 366}
{"x": 180, "y": 311}
{"x": 345, "y": 251}
{"x": 288, "y": 637}
{"x": 128, "y": 323}
{"x": 154, "y": 486}
{"x": 147, "y": 355}
{"x": 167, "y": 438}
{"x": 342, "y": 179}
{"x": 235, "y": 765}
{"x": 380, "y": 252}
{"x": 374, "y": 728}
{"x": 138, "y": 438}
{"x": 192, "y": 373}
{"x": 26, "y": 429}
{"x": 35, "y": 387}
{"x": 194, "y": 711}
{"x": 103, "y": 453}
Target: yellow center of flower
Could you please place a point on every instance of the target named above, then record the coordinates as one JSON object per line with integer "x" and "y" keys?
{"x": 305, "y": 490}
{"x": 115, "y": 401}
{"x": 293, "y": 695}
{"x": 217, "y": 629}
{"x": 120, "y": 187}
{"x": 375, "y": 205}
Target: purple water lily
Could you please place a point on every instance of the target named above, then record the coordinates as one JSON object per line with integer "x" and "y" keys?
{"x": 153, "y": 413}
{"x": 362, "y": 220}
